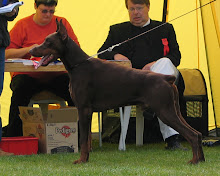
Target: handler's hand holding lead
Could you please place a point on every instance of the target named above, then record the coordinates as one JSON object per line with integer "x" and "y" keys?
{"x": 148, "y": 66}
{"x": 120, "y": 57}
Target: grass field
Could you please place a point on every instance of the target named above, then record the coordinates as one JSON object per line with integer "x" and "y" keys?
{"x": 150, "y": 159}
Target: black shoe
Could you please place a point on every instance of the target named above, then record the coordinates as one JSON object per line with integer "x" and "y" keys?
{"x": 173, "y": 143}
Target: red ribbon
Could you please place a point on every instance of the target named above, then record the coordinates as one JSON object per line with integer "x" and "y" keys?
{"x": 166, "y": 48}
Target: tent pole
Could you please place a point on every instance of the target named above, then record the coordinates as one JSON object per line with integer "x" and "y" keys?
{"x": 208, "y": 66}
{"x": 165, "y": 11}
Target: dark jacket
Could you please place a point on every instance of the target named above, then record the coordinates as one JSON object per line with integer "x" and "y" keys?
{"x": 4, "y": 35}
{"x": 152, "y": 43}
{"x": 146, "y": 48}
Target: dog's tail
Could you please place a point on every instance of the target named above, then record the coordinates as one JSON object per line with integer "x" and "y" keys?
{"x": 170, "y": 78}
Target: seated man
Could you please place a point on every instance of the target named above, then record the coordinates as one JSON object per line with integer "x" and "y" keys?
{"x": 157, "y": 51}
{"x": 26, "y": 34}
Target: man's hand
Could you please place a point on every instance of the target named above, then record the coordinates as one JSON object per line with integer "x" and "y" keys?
{"x": 148, "y": 66}
{"x": 10, "y": 14}
{"x": 120, "y": 57}
{"x": 18, "y": 52}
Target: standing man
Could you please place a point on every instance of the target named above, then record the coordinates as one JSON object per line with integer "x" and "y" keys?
{"x": 157, "y": 51}
{"x": 4, "y": 42}
{"x": 26, "y": 34}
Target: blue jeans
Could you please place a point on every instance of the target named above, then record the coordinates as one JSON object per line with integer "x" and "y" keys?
{"x": 2, "y": 67}
{"x": 0, "y": 129}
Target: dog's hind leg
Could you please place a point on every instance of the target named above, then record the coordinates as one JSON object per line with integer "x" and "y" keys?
{"x": 174, "y": 122}
{"x": 85, "y": 117}
{"x": 200, "y": 154}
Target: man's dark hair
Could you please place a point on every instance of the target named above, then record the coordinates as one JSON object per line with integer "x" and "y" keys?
{"x": 46, "y": 2}
{"x": 147, "y": 2}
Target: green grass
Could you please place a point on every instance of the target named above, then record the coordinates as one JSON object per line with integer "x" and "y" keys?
{"x": 150, "y": 159}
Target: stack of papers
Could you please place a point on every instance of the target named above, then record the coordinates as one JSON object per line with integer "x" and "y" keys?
{"x": 24, "y": 61}
{"x": 30, "y": 62}
{"x": 10, "y": 7}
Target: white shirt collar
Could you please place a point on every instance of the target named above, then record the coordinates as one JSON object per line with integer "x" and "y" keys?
{"x": 147, "y": 23}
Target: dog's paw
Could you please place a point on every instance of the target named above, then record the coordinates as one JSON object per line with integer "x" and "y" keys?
{"x": 193, "y": 161}
{"x": 79, "y": 161}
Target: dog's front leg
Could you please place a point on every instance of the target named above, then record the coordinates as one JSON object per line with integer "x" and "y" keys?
{"x": 85, "y": 116}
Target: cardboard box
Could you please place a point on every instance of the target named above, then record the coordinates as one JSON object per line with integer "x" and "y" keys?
{"x": 56, "y": 130}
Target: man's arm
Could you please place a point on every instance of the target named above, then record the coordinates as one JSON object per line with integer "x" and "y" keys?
{"x": 117, "y": 34}
{"x": 174, "y": 54}
{"x": 18, "y": 53}
{"x": 108, "y": 43}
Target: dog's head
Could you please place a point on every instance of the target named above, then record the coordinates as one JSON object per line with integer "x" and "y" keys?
{"x": 53, "y": 46}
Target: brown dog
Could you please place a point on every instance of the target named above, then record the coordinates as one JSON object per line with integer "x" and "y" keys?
{"x": 98, "y": 85}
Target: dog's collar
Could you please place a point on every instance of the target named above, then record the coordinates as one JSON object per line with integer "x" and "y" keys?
{"x": 76, "y": 65}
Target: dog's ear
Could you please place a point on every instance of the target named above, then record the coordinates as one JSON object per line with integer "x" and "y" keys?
{"x": 62, "y": 31}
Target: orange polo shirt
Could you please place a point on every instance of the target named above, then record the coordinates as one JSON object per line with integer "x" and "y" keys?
{"x": 26, "y": 32}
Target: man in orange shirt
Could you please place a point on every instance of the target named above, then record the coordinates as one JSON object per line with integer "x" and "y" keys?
{"x": 26, "y": 34}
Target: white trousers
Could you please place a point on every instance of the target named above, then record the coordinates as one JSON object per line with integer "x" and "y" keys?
{"x": 166, "y": 67}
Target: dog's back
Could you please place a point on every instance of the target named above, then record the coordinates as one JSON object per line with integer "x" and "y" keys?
{"x": 128, "y": 84}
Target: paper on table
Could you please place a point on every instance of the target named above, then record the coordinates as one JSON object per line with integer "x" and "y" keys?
{"x": 17, "y": 60}
{"x": 10, "y": 7}
{"x": 28, "y": 62}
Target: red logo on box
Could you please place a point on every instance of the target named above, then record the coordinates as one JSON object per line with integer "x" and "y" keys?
{"x": 65, "y": 131}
